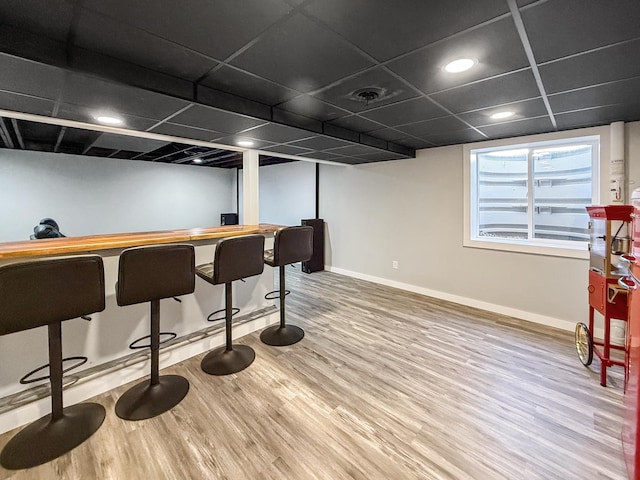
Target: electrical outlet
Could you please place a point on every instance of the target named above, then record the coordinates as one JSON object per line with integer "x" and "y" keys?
{"x": 394, "y": 264}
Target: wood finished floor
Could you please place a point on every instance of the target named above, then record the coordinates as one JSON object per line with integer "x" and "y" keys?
{"x": 385, "y": 385}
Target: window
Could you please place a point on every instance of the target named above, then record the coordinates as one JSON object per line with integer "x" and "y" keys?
{"x": 533, "y": 194}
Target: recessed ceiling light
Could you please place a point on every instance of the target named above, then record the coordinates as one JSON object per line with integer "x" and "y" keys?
{"x": 501, "y": 115}
{"x": 108, "y": 120}
{"x": 245, "y": 143}
{"x": 196, "y": 160}
{"x": 460, "y": 65}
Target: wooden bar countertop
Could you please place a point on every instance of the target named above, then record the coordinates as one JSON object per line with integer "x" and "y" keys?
{"x": 59, "y": 246}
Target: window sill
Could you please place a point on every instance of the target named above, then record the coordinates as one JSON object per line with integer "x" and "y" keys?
{"x": 580, "y": 252}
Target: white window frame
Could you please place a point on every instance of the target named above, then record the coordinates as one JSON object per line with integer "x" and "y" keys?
{"x": 533, "y": 246}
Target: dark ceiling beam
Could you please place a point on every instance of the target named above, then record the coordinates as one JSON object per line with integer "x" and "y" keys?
{"x": 59, "y": 139}
{"x": 4, "y": 132}
{"x": 16, "y": 129}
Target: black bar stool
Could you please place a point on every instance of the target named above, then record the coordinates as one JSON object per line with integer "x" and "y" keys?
{"x": 47, "y": 292}
{"x": 149, "y": 274}
{"x": 235, "y": 258}
{"x": 291, "y": 245}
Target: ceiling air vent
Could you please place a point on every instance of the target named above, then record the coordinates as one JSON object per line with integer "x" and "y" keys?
{"x": 368, "y": 95}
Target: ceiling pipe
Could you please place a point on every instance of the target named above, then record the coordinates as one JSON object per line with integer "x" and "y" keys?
{"x": 617, "y": 186}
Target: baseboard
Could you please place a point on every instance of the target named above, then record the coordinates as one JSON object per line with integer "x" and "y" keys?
{"x": 130, "y": 370}
{"x": 469, "y": 302}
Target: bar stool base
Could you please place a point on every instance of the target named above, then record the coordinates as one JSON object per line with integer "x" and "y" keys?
{"x": 224, "y": 362}
{"x": 144, "y": 400}
{"x": 278, "y": 336}
{"x": 45, "y": 440}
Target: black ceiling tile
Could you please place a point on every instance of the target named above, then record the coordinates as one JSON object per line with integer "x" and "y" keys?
{"x": 355, "y": 123}
{"x": 526, "y": 109}
{"x": 388, "y": 134}
{"x": 125, "y": 154}
{"x": 385, "y": 30}
{"x": 495, "y": 91}
{"x": 627, "y": 112}
{"x": 607, "y": 94}
{"x": 100, "y": 95}
{"x": 414, "y": 143}
{"x": 78, "y": 136}
{"x": 96, "y": 32}
{"x": 608, "y": 64}
{"x": 353, "y": 150}
{"x": 522, "y": 127}
{"x": 434, "y": 127}
{"x": 127, "y": 142}
{"x": 249, "y": 86}
{"x": 214, "y": 119}
{"x": 322, "y": 156}
{"x": 182, "y": 131}
{"x": 389, "y": 88}
{"x": 31, "y": 78}
{"x": 405, "y": 112}
{"x": 100, "y": 152}
{"x": 111, "y": 68}
{"x": 293, "y": 119}
{"x": 288, "y": 149}
{"x": 320, "y": 143}
{"x": 496, "y": 47}
{"x": 26, "y": 104}
{"x": 312, "y": 107}
{"x": 273, "y": 132}
{"x": 558, "y": 28}
{"x": 234, "y": 139}
{"x": 81, "y": 113}
{"x": 50, "y": 18}
{"x": 214, "y": 28}
{"x": 274, "y": 56}
{"x": 455, "y": 138}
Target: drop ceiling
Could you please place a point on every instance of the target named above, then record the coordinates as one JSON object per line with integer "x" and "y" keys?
{"x": 286, "y": 74}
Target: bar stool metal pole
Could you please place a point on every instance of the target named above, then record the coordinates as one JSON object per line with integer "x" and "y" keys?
{"x": 291, "y": 245}
{"x": 148, "y": 274}
{"x": 234, "y": 259}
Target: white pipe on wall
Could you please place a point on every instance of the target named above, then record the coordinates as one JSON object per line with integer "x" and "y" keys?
{"x": 617, "y": 164}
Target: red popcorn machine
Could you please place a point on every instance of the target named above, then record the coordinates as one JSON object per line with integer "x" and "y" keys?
{"x": 609, "y": 228}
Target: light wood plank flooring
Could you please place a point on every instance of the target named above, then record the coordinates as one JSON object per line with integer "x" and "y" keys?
{"x": 385, "y": 385}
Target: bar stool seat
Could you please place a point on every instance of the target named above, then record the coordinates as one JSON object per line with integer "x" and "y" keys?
{"x": 234, "y": 259}
{"x": 149, "y": 274}
{"x": 48, "y": 292}
{"x": 291, "y": 245}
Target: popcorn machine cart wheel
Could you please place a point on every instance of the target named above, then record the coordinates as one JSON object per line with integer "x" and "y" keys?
{"x": 609, "y": 240}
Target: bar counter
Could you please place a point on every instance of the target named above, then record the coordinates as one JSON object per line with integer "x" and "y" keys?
{"x": 105, "y": 339}
{"x": 94, "y": 243}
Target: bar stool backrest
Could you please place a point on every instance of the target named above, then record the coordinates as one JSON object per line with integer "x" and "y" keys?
{"x": 238, "y": 257}
{"x": 154, "y": 272}
{"x": 50, "y": 290}
{"x": 293, "y": 244}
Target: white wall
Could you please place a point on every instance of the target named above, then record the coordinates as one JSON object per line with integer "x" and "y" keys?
{"x": 411, "y": 211}
{"x": 287, "y": 193}
{"x": 91, "y": 195}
